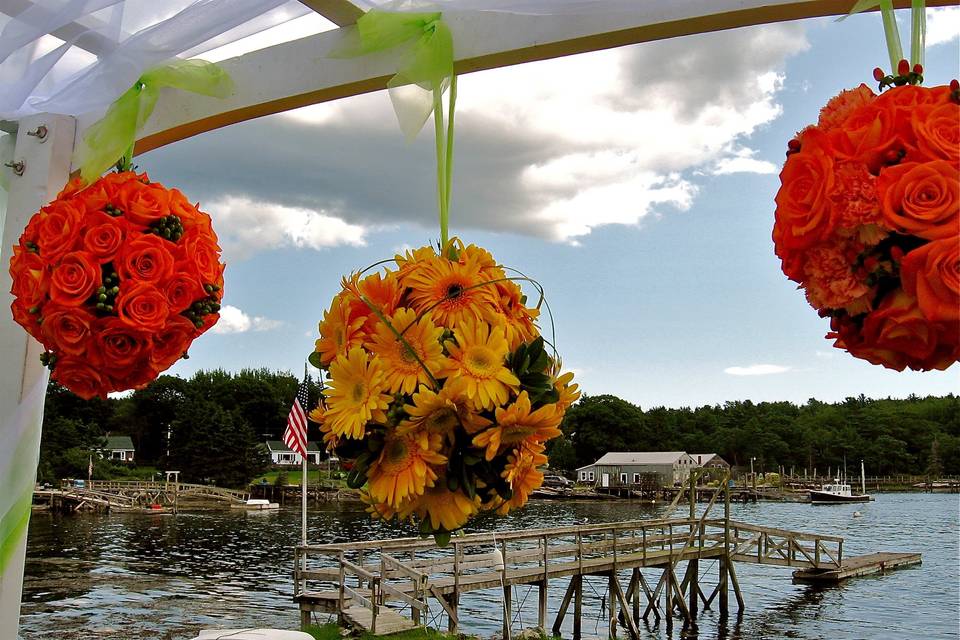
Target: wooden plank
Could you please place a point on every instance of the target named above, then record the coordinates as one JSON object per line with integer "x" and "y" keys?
{"x": 388, "y": 621}
{"x": 859, "y": 566}
{"x": 394, "y": 593}
{"x": 339, "y": 12}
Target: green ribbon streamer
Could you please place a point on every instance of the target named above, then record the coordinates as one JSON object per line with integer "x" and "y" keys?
{"x": 424, "y": 46}
{"x": 894, "y": 49}
{"x": 113, "y": 136}
{"x": 13, "y": 527}
{"x": 918, "y": 31}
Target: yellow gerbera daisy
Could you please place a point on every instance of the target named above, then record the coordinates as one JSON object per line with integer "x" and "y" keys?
{"x": 382, "y": 510}
{"x": 515, "y": 425}
{"x": 440, "y": 413}
{"x": 523, "y": 475}
{"x": 448, "y": 510}
{"x": 340, "y": 330}
{"x": 452, "y": 291}
{"x": 403, "y": 469}
{"x": 483, "y": 259}
{"x": 568, "y": 390}
{"x": 356, "y": 394}
{"x": 478, "y": 357}
{"x": 411, "y": 361}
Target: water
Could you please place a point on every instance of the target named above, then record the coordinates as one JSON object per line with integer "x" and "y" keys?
{"x": 164, "y": 576}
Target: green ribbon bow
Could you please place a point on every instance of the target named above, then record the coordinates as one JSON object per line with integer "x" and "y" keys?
{"x": 918, "y": 31}
{"x": 424, "y": 46}
{"x": 113, "y": 136}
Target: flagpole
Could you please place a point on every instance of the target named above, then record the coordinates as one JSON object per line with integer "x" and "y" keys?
{"x": 303, "y": 484}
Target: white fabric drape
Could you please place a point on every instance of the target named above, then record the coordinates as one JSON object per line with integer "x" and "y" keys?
{"x": 77, "y": 56}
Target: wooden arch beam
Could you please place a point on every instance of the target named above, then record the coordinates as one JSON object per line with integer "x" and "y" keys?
{"x": 299, "y": 73}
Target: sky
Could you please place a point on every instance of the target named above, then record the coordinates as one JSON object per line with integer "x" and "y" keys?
{"x": 635, "y": 184}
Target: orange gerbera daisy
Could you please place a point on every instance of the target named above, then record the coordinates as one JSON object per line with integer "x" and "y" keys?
{"x": 403, "y": 469}
{"x": 516, "y": 424}
{"x": 478, "y": 357}
{"x": 440, "y": 413}
{"x": 382, "y": 510}
{"x": 340, "y": 330}
{"x": 454, "y": 292}
{"x": 412, "y": 259}
{"x": 523, "y": 475}
{"x": 483, "y": 259}
{"x": 446, "y": 510}
{"x": 410, "y": 361}
{"x": 383, "y": 293}
{"x": 508, "y": 308}
{"x": 356, "y": 394}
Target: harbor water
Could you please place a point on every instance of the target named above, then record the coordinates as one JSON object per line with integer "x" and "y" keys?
{"x": 168, "y": 576}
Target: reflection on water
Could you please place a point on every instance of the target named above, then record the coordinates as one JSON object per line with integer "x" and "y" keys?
{"x": 165, "y": 576}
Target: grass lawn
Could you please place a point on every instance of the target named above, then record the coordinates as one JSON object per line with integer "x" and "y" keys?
{"x": 331, "y": 631}
{"x": 295, "y": 475}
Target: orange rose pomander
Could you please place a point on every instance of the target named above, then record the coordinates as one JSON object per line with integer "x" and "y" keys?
{"x": 116, "y": 279}
{"x": 868, "y": 221}
{"x": 442, "y": 395}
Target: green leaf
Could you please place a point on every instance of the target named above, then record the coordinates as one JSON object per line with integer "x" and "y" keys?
{"x": 314, "y": 359}
{"x": 442, "y": 538}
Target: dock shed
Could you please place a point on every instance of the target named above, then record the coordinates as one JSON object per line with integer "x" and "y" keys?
{"x": 624, "y": 468}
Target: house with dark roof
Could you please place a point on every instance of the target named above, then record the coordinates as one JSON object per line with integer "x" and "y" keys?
{"x": 710, "y": 461}
{"x": 282, "y": 454}
{"x": 119, "y": 448}
{"x": 624, "y": 468}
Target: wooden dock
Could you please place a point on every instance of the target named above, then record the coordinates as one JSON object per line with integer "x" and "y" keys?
{"x": 133, "y": 495}
{"x": 651, "y": 567}
{"x": 858, "y": 566}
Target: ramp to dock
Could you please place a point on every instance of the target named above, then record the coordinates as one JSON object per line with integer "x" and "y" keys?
{"x": 387, "y": 622}
{"x": 858, "y": 566}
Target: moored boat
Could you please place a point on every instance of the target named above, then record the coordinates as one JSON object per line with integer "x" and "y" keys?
{"x": 256, "y": 504}
{"x": 835, "y": 493}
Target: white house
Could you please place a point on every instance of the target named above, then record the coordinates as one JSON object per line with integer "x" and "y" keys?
{"x": 283, "y": 455}
{"x": 619, "y": 468}
{"x": 118, "y": 448}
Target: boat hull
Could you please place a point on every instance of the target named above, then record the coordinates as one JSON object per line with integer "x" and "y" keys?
{"x": 821, "y": 497}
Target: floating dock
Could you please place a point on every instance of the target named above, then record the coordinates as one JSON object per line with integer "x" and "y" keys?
{"x": 381, "y": 585}
{"x": 858, "y": 566}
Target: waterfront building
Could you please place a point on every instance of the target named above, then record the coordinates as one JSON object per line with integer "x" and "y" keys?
{"x": 710, "y": 461}
{"x": 281, "y": 454}
{"x": 620, "y": 468}
{"x": 118, "y": 448}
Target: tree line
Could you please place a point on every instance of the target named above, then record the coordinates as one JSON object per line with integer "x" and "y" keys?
{"x": 911, "y": 436}
{"x": 211, "y": 427}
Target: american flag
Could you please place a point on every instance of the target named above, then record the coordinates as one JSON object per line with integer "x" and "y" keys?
{"x": 295, "y": 436}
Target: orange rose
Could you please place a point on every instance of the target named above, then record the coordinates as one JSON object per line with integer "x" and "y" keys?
{"x": 75, "y": 279}
{"x": 142, "y": 203}
{"x": 29, "y": 321}
{"x": 58, "y": 229}
{"x": 142, "y": 305}
{"x": 921, "y": 199}
{"x": 29, "y": 274}
{"x": 202, "y": 253}
{"x": 147, "y": 258}
{"x": 897, "y": 334}
{"x": 182, "y": 290}
{"x": 937, "y": 129}
{"x": 79, "y": 377}
{"x": 867, "y": 135}
{"x": 67, "y": 329}
{"x": 901, "y": 102}
{"x": 120, "y": 344}
{"x": 189, "y": 214}
{"x": 103, "y": 236}
{"x": 803, "y": 215}
{"x": 931, "y": 273}
{"x": 171, "y": 342}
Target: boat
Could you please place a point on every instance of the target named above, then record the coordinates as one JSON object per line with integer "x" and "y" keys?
{"x": 257, "y": 504}
{"x": 839, "y": 492}
{"x": 835, "y": 493}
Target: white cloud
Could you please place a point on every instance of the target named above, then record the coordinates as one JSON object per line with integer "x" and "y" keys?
{"x": 246, "y": 226}
{"x": 824, "y": 355}
{"x": 943, "y": 25}
{"x": 743, "y": 162}
{"x": 235, "y": 320}
{"x": 756, "y": 370}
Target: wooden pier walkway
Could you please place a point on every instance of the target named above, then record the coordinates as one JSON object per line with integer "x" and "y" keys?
{"x": 858, "y": 566}
{"x": 133, "y": 495}
{"x": 651, "y": 567}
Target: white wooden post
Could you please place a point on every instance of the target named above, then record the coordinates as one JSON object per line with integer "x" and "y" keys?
{"x": 23, "y": 381}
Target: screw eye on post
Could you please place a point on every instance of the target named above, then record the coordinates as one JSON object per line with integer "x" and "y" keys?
{"x": 18, "y": 167}
{"x": 40, "y": 133}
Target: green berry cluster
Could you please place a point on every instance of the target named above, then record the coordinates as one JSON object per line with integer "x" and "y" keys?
{"x": 113, "y": 211}
{"x": 168, "y": 227}
{"x": 106, "y": 296}
{"x": 203, "y": 307}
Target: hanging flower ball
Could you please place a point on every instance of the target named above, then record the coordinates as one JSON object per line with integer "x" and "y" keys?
{"x": 441, "y": 392}
{"x": 868, "y": 221}
{"x": 116, "y": 279}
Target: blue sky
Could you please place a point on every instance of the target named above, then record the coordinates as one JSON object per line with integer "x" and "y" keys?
{"x": 643, "y": 206}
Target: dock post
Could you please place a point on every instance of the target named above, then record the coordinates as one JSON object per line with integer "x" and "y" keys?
{"x": 577, "y": 606}
{"x": 668, "y": 605}
{"x": 612, "y": 604}
{"x": 507, "y": 596}
{"x": 542, "y": 590}
{"x": 693, "y": 566}
{"x": 725, "y": 558}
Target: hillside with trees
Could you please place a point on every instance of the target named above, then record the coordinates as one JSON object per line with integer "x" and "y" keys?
{"x": 211, "y": 426}
{"x": 911, "y": 436}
